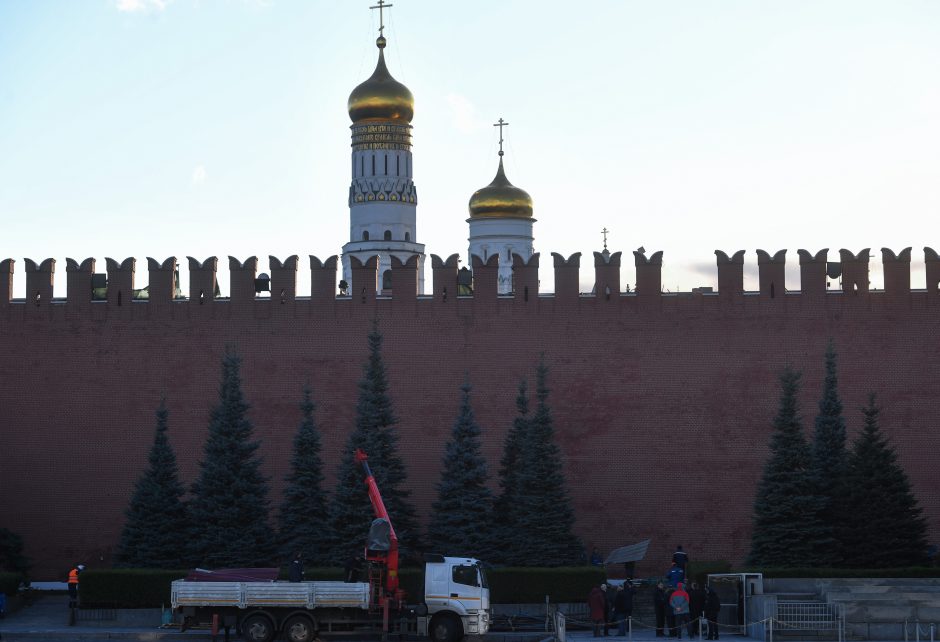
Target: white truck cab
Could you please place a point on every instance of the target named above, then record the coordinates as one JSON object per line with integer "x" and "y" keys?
{"x": 457, "y": 596}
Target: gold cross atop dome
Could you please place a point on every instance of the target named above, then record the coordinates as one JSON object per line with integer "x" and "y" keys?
{"x": 502, "y": 123}
{"x": 381, "y": 6}
{"x": 605, "y": 232}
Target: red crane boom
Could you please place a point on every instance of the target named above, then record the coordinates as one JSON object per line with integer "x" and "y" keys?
{"x": 390, "y": 557}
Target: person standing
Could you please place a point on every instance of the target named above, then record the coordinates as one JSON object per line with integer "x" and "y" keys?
{"x": 659, "y": 605}
{"x": 712, "y": 607}
{"x": 73, "y": 584}
{"x": 670, "y": 614}
{"x": 609, "y": 608}
{"x": 620, "y": 611}
{"x": 675, "y": 574}
{"x": 679, "y": 605}
{"x": 681, "y": 558}
{"x": 297, "y": 568}
{"x": 597, "y": 606}
{"x": 696, "y": 609}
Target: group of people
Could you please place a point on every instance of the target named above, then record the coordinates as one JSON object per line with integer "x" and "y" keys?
{"x": 676, "y": 608}
{"x": 611, "y": 604}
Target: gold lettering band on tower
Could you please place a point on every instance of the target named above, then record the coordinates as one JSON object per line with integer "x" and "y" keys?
{"x": 381, "y": 136}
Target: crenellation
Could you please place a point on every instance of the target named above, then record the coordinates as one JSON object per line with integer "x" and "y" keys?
{"x": 897, "y": 272}
{"x": 607, "y": 276}
{"x": 364, "y": 279}
{"x": 855, "y": 271}
{"x": 525, "y": 278}
{"x": 649, "y": 275}
{"x": 39, "y": 281}
{"x": 485, "y": 278}
{"x": 6, "y": 281}
{"x": 405, "y": 279}
{"x": 730, "y": 275}
{"x": 283, "y": 279}
{"x": 813, "y": 273}
{"x": 78, "y": 282}
{"x": 931, "y": 266}
{"x": 120, "y": 281}
{"x": 567, "y": 277}
{"x": 162, "y": 281}
{"x": 242, "y": 279}
{"x": 445, "y": 277}
{"x": 203, "y": 280}
{"x": 322, "y": 280}
{"x": 772, "y": 274}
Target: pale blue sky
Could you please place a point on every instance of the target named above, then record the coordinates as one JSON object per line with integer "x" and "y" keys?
{"x": 219, "y": 127}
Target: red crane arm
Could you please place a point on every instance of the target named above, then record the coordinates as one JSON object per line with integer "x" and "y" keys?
{"x": 378, "y": 507}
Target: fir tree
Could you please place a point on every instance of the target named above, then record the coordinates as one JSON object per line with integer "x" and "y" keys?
{"x": 545, "y": 515}
{"x": 375, "y": 433}
{"x": 304, "y": 527}
{"x": 461, "y": 515}
{"x": 885, "y": 527}
{"x": 156, "y": 526}
{"x": 786, "y": 509}
{"x": 507, "y": 547}
{"x": 829, "y": 459}
{"x": 12, "y": 559}
{"x": 229, "y": 506}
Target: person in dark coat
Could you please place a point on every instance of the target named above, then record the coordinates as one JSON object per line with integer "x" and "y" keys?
{"x": 620, "y": 611}
{"x": 671, "y": 630}
{"x": 659, "y": 604}
{"x": 712, "y": 607}
{"x": 597, "y": 606}
{"x": 609, "y": 595}
{"x": 296, "y": 569}
{"x": 681, "y": 558}
{"x": 675, "y": 575}
{"x": 696, "y": 609}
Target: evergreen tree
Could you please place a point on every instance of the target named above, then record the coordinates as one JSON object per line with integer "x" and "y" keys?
{"x": 229, "y": 506}
{"x": 304, "y": 527}
{"x": 156, "y": 526}
{"x": 507, "y": 547}
{"x": 545, "y": 515}
{"x": 885, "y": 527}
{"x": 786, "y": 509}
{"x": 11, "y": 553}
{"x": 460, "y": 518}
{"x": 375, "y": 433}
{"x": 829, "y": 460}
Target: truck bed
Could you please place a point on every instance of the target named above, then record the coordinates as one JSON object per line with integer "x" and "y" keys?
{"x": 245, "y": 595}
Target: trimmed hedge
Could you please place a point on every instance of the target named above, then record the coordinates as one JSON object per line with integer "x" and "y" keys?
{"x": 531, "y": 585}
{"x": 698, "y": 571}
{"x": 129, "y": 588}
{"x": 9, "y": 582}
{"x": 911, "y": 572}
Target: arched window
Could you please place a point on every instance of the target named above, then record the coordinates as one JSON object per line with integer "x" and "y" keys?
{"x": 365, "y": 236}
{"x": 388, "y": 235}
{"x": 407, "y": 236}
{"x": 387, "y": 280}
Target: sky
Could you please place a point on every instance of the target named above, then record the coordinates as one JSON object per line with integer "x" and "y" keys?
{"x": 158, "y": 128}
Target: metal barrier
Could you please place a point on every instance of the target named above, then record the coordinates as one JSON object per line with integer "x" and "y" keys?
{"x": 808, "y": 616}
{"x": 926, "y": 629}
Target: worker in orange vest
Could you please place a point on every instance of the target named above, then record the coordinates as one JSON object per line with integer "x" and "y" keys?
{"x": 73, "y": 585}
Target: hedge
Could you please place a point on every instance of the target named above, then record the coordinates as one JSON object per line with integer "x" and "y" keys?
{"x": 910, "y": 572}
{"x": 129, "y": 588}
{"x": 9, "y": 582}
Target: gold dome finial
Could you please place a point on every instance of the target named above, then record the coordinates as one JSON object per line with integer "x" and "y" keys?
{"x": 500, "y": 199}
{"x": 381, "y": 97}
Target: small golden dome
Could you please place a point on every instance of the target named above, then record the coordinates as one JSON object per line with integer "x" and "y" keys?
{"x": 381, "y": 97}
{"x": 500, "y": 199}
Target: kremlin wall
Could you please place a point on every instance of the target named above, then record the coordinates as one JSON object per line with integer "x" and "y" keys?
{"x": 662, "y": 402}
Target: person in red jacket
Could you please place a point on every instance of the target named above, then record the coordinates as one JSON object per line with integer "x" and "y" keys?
{"x": 597, "y": 605}
{"x": 679, "y": 604}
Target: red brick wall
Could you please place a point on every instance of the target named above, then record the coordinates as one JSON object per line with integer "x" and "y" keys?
{"x": 662, "y": 407}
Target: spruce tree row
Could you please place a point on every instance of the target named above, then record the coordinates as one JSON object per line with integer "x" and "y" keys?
{"x": 225, "y": 523}
{"x": 819, "y": 504}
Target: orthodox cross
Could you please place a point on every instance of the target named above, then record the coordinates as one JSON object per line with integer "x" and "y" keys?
{"x": 605, "y": 231}
{"x": 502, "y": 123}
{"x": 380, "y": 6}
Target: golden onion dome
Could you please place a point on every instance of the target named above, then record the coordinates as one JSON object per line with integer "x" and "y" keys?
{"x": 500, "y": 199}
{"x": 381, "y": 97}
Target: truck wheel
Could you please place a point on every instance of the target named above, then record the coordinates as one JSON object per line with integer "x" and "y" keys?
{"x": 445, "y": 628}
{"x": 257, "y": 628}
{"x": 299, "y": 628}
